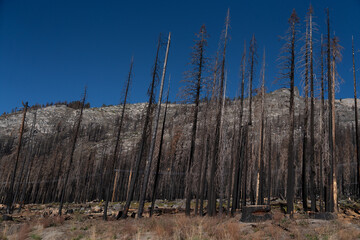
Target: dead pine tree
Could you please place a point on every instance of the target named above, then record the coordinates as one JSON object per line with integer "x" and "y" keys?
{"x": 156, "y": 180}
{"x": 206, "y": 136}
{"x": 239, "y": 150}
{"x": 329, "y": 200}
{"x": 312, "y": 113}
{"x": 153, "y": 136}
{"x": 305, "y": 131}
{"x": 248, "y": 145}
{"x": 215, "y": 154}
{"x": 28, "y": 162}
{"x": 269, "y": 166}
{"x": 135, "y": 169}
{"x": 116, "y": 152}
{"x": 333, "y": 55}
{"x": 336, "y": 56}
{"x": 194, "y": 83}
{"x": 260, "y": 173}
{"x": 222, "y": 150}
{"x": 321, "y": 125}
{"x": 73, "y": 146}
{"x": 288, "y": 72}
{"x": 10, "y": 192}
{"x": 356, "y": 123}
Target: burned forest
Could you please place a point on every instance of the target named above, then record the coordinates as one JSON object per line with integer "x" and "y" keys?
{"x": 210, "y": 153}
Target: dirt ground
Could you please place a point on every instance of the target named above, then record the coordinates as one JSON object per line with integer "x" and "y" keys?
{"x": 84, "y": 221}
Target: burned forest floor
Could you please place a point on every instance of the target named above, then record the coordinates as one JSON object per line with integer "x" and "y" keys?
{"x": 84, "y": 221}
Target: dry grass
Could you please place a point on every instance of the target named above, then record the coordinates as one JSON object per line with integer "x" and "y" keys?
{"x": 24, "y": 232}
{"x": 178, "y": 226}
{"x": 51, "y": 221}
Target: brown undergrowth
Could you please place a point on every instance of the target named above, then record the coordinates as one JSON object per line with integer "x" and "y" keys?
{"x": 34, "y": 224}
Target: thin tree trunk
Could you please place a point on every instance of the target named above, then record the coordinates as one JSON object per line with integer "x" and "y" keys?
{"x": 10, "y": 193}
{"x": 305, "y": 128}
{"x": 117, "y": 142}
{"x": 215, "y": 156}
{"x": 28, "y": 163}
{"x": 269, "y": 167}
{"x": 188, "y": 191}
{"x": 260, "y": 173}
{"x": 135, "y": 169}
{"x": 322, "y": 128}
{"x": 237, "y": 177}
{"x": 312, "y": 121}
{"x": 153, "y": 137}
{"x": 290, "y": 191}
{"x": 75, "y": 136}
{"x": 356, "y": 124}
{"x": 223, "y": 151}
{"x": 156, "y": 181}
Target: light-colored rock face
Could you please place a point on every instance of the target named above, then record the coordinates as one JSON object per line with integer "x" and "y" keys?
{"x": 98, "y": 125}
{"x": 49, "y": 119}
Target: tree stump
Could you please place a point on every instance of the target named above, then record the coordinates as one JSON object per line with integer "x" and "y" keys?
{"x": 256, "y": 213}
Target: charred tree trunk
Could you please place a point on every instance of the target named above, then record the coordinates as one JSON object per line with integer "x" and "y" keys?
{"x": 153, "y": 137}
{"x": 260, "y": 173}
{"x": 74, "y": 139}
{"x": 135, "y": 169}
{"x": 117, "y": 142}
{"x": 156, "y": 181}
{"x": 312, "y": 118}
{"x": 305, "y": 128}
{"x": 198, "y": 59}
{"x": 290, "y": 192}
{"x": 10, "y": 193}
{"x": 356, "y": 123}
{"x": 215, "y": 156}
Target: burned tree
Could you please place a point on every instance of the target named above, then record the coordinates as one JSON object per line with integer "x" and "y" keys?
{"x": 260, "y": 173}
{"x": 215, "y": 154}
{"x": 356, "y": 122}
{"x": 195, "y": 82}
{"x": 10, "y": 192}
{"x": 116, "y": 152}
{"x": 289, "y": 73}
{"x": 135, "y": 170}
{"x": 237, "y": 175}
{"x": 73, "y": 145}
{"x": 153, "y": 136}
{"x": 156, "y": 180}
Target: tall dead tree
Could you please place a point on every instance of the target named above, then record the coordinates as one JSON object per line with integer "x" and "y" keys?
{"x": 28, "y": 162}
{"x": 10, "y": 192}
{"x": 356, "y": 122}
{"x": 248, "y": 145}
{"x": 260, "y": 173}
{"x": 269, "y": 166}
{"x": 156, "y": 180}
{"x": 206, "y": 136}
{"x": 73, "y": 146}
{"x": 153, "y": 136}
{"x": 222, "y": 150}
{"x": 312, "y": 114}
{"x": 336, "y": 56}
{"x": 135, "y": 169}
{"x": 239, "y": 150}
{"x": 192, "y": 91}
{"x": 237, "y": 175}
{"x": 305, "y": 131}
{"x": 289, "y": 72}
{"x": 116, "y": 152}
{"x": 321, "y": 126}
{"x": 215, "y": 155}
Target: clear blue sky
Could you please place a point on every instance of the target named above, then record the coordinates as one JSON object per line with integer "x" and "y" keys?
{"x": 49, "y": 50}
